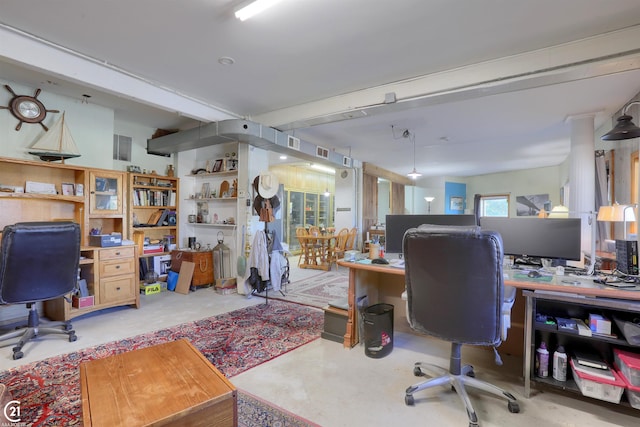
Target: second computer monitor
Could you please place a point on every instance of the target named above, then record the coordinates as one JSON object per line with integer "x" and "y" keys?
{"x": 397, "y": 225}
{"x": 555, "y": 238}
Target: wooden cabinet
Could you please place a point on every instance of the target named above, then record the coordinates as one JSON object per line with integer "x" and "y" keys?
{"x": 112, "y": 278}
{"x": 106, "y": 196}
{"x": 203, "y": 265}
{"x": 153, "y": 207}
{"x": 106, "y": 193}
{"x": 93, "y": 198}
{"x": 49, "y": 202}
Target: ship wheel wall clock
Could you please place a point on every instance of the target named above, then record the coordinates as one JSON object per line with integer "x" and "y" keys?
{"x": 27, "y": 109}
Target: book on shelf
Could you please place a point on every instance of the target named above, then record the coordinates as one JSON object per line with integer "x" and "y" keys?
{"x": 567, "y": 325}
{"x": 606, "y": 374}
{"x": 590, "y": 359}
{"x": 583, "y": 329}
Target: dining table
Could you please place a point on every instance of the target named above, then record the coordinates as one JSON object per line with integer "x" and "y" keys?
{"x": 319, "y": 250}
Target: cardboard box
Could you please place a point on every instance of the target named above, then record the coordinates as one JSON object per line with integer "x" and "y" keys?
{"x": 599, "y": 324}
{"x": 150, "y": 288}
{"x": 105, "y": 240}
{"x": 81, "y": 302}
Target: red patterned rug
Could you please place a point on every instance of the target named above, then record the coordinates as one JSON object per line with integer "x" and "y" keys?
{"x": 49, "y": 390}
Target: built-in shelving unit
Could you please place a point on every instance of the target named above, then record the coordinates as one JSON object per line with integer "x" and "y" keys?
{"x": 153, "y": 209}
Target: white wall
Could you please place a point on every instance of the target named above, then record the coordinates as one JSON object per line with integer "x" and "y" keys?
{"x": 518, "y": 183}
{"x": 91, "y": 126}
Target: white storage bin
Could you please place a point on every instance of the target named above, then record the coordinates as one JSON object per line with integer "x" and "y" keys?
{"x": 599, "y": 388}
{"x": 633, "y": 393}
{"x": 629, "y": 364}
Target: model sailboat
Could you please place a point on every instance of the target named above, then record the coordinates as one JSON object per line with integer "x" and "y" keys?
{"x": 56, "y": 144}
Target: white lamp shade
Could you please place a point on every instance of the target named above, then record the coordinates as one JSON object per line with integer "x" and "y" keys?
{"x": 559, "y": 211}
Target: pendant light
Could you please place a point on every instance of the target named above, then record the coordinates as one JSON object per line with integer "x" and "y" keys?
{"x": 414, "y": 174}
{"x": 326, "y": 189}
{"x": 625, "y": 128}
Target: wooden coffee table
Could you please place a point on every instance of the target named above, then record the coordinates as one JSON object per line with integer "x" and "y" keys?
{"x": 170, "y": 384}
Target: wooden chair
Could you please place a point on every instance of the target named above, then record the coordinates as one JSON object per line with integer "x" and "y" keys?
{"x": 339, "y": 248}
{"x": 301, "y": 233}
{"x": 351, "y": 240}
{"x": 314, "y": 247}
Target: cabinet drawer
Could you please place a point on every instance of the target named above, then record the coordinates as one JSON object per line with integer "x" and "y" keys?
{"x": 117, "y": 267}
{"x": 116, "y": 253}
{"x": 117, "y": 289}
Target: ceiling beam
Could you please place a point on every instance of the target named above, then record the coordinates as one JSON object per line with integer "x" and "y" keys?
{"x": 600, "y": 55}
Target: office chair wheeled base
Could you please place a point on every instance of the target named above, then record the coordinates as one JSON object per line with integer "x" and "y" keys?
{"x": 32, "y": 330}
{"x": 457, "y": 381}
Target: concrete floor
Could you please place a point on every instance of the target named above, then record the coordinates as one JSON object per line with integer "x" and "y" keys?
{"x": 333, "y": 386}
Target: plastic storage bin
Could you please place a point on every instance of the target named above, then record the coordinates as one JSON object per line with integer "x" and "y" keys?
{"x": 629, "y": 364}
{"x": 599, "y": 388}
{"x": 378, "y": 330}
{"x": 633, "y": 393}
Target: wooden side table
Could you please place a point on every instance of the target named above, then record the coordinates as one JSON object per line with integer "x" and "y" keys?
{"x": 170, "y": 384}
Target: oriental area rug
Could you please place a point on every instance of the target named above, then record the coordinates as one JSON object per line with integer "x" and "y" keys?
{"x": 49, "y": 390}
{"x": 316, "y": 291}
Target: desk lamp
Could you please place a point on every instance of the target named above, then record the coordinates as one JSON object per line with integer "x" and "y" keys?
{"x": 618, "y": 213}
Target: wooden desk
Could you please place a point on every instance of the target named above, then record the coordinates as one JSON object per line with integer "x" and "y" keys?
{"x": 372, "y": 280}
{"x": 170, "y": 384}
{"x": 322, "y": 247}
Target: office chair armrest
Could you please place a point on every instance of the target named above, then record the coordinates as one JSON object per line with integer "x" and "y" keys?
{"x": 508, "y": 299}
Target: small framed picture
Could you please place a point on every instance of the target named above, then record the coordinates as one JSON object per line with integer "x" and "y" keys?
{"x": 68, "y": 189}
{"x": 79, "y": 190}
{"x": 456, "y": 203}
{"x": 217, "y": 166}
{"x": 232, "y": 164}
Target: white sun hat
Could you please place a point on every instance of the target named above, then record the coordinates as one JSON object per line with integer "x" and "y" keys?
{"x": 268, "y": 185}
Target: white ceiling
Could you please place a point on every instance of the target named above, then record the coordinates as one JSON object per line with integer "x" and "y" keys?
{"x": 484, "y": 86}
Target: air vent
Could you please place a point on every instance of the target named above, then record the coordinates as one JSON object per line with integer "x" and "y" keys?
{"x": 346, "y": 162}
{"x": 322, "y": 152}
{"x": 293, "y": 142}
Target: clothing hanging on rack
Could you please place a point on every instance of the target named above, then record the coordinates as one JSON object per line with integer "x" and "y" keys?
{"x": 258, "y": 263}
{"x": 278, "y": 264}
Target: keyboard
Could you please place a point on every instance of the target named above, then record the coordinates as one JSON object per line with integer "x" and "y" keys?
{"x": 397, "y": 263}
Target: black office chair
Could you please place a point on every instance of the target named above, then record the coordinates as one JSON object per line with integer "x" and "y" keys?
{"x": 455, "y": 292}
{"x": 39, "y": 263}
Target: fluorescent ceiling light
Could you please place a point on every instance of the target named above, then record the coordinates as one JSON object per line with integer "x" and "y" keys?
{"x": 254, "y": 8}
{"x": 323, "y": 168}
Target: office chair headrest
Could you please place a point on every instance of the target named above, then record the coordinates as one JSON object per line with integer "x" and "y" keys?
{"x": 473, "y": 230}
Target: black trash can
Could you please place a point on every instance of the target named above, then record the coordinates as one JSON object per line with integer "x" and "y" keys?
{"x": 378, "y": 330}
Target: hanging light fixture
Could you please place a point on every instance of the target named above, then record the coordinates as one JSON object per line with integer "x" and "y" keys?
{"x": 414, "y": 174}
{"x": 625, "y": 128}
{"x": 326, "y": 189}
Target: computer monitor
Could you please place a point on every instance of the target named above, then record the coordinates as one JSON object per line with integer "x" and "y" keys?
{"x": 397, "y": 225}
{"x": 554, "y": 238}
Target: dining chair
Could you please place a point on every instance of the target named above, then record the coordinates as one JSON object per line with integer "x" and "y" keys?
{"x": 351, "y": 240}
{"x": 315, "y": 246}
{"x": 339, "y": 247}
{"x": 301, "y": 234}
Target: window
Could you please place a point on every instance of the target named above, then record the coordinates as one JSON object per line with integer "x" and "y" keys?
{"x": 494, "y": 205}
{"x": 122, "y": 148}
